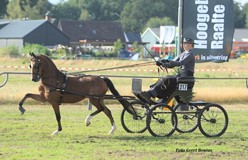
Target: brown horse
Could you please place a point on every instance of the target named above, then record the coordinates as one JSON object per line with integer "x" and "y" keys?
{"x": 57, "y": 87}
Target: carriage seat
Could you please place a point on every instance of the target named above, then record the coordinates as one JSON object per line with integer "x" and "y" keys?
{"x": 185, "y": 83}
{"x": 183, "y": 92}
{"x": 186, "y": 79}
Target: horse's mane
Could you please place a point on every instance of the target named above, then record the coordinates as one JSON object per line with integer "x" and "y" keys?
{"x": 48, "y": 61}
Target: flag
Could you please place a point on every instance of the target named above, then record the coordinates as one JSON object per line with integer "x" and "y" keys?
{"x": 210, "y": 23}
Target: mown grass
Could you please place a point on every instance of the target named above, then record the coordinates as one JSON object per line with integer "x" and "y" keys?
{"x": 28, "y": 137}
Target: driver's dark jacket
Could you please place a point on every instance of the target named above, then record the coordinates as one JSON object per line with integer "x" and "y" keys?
{"x": 186, "y": 61}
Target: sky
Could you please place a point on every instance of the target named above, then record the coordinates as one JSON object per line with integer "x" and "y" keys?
{"x": 55, "y": 1}
{"x": 241, "y": 1}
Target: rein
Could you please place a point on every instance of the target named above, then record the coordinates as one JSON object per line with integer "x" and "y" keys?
{"x": 57, "y": 89}
{"x": 112, "y": 68}
{"x": 60, "y": 85}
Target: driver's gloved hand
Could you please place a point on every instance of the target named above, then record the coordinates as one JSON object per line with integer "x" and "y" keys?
{"x": 165, "y": 60}
{"x": 159, "y": 63}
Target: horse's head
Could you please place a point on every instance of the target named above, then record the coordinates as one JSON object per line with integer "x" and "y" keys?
{"x": 35, "y": 66}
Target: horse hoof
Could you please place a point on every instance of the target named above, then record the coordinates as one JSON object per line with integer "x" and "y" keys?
{"x": 87, "y": 120}
{"x": 87, "y": 124}
{"x": 112, "y": 130}
{"x": 22, "y": 110}
{"x": 55, "y": 133}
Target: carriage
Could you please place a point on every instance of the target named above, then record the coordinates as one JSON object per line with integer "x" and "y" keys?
{"x": 157, "y": 117}
{"x": 162, "y": 120}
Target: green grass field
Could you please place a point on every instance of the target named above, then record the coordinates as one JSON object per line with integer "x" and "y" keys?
{"x": 28, "y": 137}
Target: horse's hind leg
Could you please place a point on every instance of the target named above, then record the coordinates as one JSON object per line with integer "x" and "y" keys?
{"x": 29, "y": 95}
{"x": 109, "y": 114}
{"x": 89, "y": 117}
{"x": 99, "y": 107}
{"x": 98, "y": 103}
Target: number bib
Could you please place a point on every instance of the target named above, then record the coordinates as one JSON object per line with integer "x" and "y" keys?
{"x": 182, "y": 87}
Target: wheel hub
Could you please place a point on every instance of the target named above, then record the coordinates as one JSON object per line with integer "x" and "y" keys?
{"x": 185, "y": 117}
{"x": 161, "y": 121}
{"x": 212, "y": 120}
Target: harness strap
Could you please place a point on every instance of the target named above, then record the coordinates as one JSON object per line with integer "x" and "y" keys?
{"x": 164, "y": 86}
{"x": 62, "y": 88}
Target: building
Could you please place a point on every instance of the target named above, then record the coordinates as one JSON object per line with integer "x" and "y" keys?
{"x": 160, "y": 40}
{"x": 240, "y": 40}
{"x": 92, "y": 34}
{"x": 19, "y": 32}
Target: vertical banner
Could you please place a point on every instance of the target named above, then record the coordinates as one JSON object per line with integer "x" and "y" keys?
{"x": 167, "y": 34}
{"x": 211, "y": 24}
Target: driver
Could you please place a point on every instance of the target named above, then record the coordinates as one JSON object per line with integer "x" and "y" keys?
{"x": 165, "y": 86}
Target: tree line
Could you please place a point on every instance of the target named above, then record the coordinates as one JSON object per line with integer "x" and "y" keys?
{"x": 135, "y": 16}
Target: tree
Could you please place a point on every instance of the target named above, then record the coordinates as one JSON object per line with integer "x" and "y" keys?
{"x": 156, "y": 22}
{"x": 77, "y": 3}
{"x": 3, "y": 8}
{"x": 104, "y": 9}
{"x": 118, "y": 45}
{"x": 84, "y": 13}
{"x": 24, "y": 3}
{"x": 111, "y": 9}
{"x": 136, "y": 47}
{"x": 136, "y": 13}
{"x": 239, "y": 16}
{"x": 22, "y": 9}
{"x": 36, "y": 48}
{"x": 99, "y": 9}
{"x": 66, "y": 11}
{"x": 245, "y": 11}
{"x": 94, "y": 9}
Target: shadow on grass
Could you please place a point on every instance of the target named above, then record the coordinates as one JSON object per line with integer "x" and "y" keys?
{"x": 140, "y": 137}
{"x": 193, "y": 136}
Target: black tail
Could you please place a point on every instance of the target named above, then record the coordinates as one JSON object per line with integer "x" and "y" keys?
{"x": 123, "y": 101}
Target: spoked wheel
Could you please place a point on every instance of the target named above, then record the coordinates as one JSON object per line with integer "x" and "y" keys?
{"x": 213, "y": 120}
{"x": 161, "y": 120}
{"x": 135, "y": 123}
{"x": 187, "y": 116}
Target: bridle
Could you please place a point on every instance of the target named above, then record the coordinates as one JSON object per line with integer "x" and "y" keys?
{"x": 36, "y": 70}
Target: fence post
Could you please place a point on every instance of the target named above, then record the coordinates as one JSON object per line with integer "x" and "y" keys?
{"x": 246, "y": 82}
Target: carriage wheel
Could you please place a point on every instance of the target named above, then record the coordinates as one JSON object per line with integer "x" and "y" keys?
{"x": 187, "y": 118}
{"x": 161, "y": 120}
{"x": 135, "y": 123}
{"x": 213, "y": 120}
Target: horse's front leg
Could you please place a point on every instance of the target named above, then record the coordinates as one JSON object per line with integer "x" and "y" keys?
{"x": 36, "y": 97}
{"x": 58, "y": 118}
